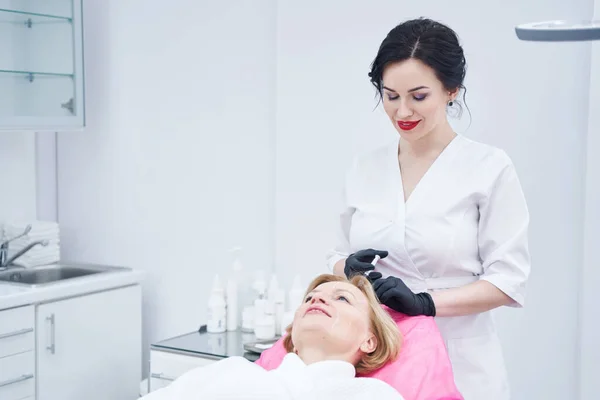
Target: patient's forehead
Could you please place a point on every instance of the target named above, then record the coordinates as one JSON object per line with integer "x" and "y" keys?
{"x": 332, "y": 287}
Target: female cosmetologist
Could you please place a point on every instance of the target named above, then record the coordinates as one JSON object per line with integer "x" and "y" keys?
{"x": 446, "y": 214}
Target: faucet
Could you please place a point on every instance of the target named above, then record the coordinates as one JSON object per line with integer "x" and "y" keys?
{"x": 4, "y": 245}
{"x": 6, "y": 263}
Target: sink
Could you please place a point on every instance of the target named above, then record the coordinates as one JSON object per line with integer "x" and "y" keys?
{"x": 51, "y": 273}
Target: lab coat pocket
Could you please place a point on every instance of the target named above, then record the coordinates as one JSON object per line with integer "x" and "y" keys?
{"x": 478, "y": 366}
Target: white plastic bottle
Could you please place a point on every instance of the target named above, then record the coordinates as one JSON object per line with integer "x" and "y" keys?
{"x": 232, "y": 305}
{"x": 260, "y": 308}
{"x": 217, "y": 309}
{"x": 279, "y": 302}
{"x": 264, "y": 328}
{"x": 260, "y": 302}
{"x": 296, "y": 295}
{"x": 233, "y": 309}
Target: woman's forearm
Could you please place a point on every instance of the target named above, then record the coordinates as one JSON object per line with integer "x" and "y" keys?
{"x": 470, "y": 299}
{"x": 338, "y": 268}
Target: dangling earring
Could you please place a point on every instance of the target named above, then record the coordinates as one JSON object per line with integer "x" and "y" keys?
{"x": 450, "y": 103}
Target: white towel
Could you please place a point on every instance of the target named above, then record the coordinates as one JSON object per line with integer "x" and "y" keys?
{"x": 38, "y": 228}
{"x": 240, "y": 379}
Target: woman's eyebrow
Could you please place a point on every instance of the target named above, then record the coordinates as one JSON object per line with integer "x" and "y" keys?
{"x": 345, "y": 291}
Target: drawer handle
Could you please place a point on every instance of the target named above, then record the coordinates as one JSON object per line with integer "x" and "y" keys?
{"x": 163, "y": 377}
{"x": 16, "y": 333}
{"x": 52, "y": 346}
{"x": 16, "y": 380}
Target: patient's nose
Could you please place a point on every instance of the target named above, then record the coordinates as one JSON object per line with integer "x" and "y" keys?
{"x": 318, "y": 298}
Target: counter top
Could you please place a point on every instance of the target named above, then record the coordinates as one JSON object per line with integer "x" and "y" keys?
{"x": 211, "y": 345}
{"x": 12, "y": 295}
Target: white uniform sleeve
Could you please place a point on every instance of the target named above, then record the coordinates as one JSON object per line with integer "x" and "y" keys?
{"x": 341, "y": 248}
{"x": 503, "y": 236}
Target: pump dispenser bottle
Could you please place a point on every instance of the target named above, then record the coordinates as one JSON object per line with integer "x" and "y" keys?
{"x": 217, "y": 309}
{"x": 233, "y": 312}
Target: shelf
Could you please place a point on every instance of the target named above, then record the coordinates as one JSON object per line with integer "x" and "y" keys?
{"x": 36, "y": 15}
{"x": 31, "y": 75}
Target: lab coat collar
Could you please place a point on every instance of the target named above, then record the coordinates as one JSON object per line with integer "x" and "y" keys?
{"x": 328, "y": 369}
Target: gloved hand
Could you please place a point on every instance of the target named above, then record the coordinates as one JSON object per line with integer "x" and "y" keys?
{"x": 360, "y": 262}
{"x": 394, "y": 293}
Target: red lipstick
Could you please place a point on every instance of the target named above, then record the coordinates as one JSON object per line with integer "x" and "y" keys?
{"x": 408, "y": 125}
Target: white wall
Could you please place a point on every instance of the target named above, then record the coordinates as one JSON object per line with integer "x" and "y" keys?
{"x": 176, "y": 164}
{"x": 528, "y": 98}
{"x": 17, "y": 163}
{"x": 590, "y": 280}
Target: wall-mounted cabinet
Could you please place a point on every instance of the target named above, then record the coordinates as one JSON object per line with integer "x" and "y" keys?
{"x": 41, "y": 65}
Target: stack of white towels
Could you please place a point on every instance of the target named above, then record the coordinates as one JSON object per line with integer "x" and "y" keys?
{"x": 40, "y": 230}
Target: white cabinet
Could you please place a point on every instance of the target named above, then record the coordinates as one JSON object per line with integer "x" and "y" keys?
{"x": 17, "y": 353}
{"x": 41, "y": 65}
{"x": 89, "y": 347}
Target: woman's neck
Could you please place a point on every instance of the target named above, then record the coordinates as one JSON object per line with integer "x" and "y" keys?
{"x": 431, "y": 144}
{"x": 311, "y": 355}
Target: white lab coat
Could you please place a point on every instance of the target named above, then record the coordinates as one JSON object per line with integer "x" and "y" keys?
{"x": 466, "y": 220}
{"x": 236, "y": 378}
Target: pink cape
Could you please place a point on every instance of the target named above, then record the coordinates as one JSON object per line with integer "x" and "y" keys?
{"x": 422, "y": 371}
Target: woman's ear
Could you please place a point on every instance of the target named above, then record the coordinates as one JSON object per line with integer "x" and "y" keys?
{"x": 369, "y": 344}
{"x": 453, "y": 94}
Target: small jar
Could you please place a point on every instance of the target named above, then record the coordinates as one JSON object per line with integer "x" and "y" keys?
{"x": 248, "y": 319}
{"x": 264, "y": 328}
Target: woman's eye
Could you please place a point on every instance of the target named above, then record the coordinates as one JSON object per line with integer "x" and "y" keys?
{"x": 390, "y": 97}
{"x": 343, "y": 298}
{"x": 420, "y": 97}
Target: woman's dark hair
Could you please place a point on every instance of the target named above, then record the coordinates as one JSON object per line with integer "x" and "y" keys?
{"x": 428, "y": 41}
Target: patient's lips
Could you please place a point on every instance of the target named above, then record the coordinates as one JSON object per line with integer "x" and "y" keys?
{"x": 316, "y": 310}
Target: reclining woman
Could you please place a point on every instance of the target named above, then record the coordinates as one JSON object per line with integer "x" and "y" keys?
{"x": 340, "y": 330}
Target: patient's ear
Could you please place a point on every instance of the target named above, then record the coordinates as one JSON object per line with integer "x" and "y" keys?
{"x": 369, "y": 344}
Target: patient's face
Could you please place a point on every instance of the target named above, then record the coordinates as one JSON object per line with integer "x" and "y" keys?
{"x": 335, "y": 314}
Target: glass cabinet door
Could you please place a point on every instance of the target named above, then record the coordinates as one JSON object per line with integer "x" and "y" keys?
{"x": 41, "y": 65}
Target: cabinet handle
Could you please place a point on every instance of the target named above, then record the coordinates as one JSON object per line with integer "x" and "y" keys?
{"x": 161, "y": 376}
{"x": 52, "y": 346}
{"x": 16, "y": 380}
{"x": 16, "y": 333}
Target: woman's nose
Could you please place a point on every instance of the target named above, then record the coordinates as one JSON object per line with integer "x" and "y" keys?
{"x": 318, "y": 298}
{"x": 403, "y": 111}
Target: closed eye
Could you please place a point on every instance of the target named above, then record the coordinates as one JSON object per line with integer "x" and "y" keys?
{"x": 420, "y": 97}
{"x": 390, "y": 97}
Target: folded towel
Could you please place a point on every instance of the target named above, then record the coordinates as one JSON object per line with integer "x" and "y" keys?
{"x": 38, "y": 228}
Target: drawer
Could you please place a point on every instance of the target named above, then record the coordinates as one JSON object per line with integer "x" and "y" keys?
{"x": 17, "y": 376}
{"x": 17, "y": 333}
{"x": 166, "y": 367}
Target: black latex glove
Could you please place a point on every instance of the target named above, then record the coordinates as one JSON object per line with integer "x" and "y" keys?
{"x": 392, "y": 292}
{"x": 360, "y": 262}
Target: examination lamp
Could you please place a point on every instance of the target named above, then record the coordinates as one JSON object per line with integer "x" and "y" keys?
{"x": 559, "y": 31}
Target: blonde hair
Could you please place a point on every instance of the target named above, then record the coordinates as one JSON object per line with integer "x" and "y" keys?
{"x": 383, "y": 327}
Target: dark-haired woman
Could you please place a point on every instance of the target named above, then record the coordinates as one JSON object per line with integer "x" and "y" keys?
{"x": 446, "y": 214}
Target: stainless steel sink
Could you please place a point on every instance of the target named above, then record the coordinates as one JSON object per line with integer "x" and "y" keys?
{"x": 48, "y": 274}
